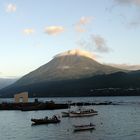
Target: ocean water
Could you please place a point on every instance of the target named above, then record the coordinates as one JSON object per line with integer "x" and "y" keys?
{"x": 113, "y": 122}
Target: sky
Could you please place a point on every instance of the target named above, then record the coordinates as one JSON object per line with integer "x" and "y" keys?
{"x": 32, "y": 32}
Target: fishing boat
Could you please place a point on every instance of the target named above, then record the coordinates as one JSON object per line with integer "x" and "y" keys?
{"x": 83, "y": 113}
{"x": 84, "y": 127}
{"x": 46, "y": 120}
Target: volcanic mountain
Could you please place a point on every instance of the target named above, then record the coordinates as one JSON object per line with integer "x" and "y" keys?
{"x": 73, "y": 64}
{"x": 76, "y": 73}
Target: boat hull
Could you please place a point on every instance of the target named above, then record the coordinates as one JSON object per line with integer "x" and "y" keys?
{"x": 65, "y": 114}
{"x": 82, "y": 114}
{"x": 83, "y": 128}
{"x": 42, "y": 121}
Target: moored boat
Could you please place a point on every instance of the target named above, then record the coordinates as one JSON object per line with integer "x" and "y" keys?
{"x": 83, "y": 113}
{"x": 84, "y": 127}
{"x": 65, "y": 114}
{"x": 46, "y": 120}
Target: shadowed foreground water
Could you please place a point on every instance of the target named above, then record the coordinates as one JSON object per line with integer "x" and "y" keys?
{"x": 114, "y": 122}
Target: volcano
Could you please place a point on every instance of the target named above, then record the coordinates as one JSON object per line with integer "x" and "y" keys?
{"x": 72, "y": 64}
{"x": 75, "y": 73}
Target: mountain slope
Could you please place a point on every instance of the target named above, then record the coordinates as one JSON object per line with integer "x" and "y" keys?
{"x": 118, "y": 83}
{"x": 74, "y": 64}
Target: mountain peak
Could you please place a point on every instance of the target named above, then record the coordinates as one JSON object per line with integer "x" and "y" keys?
{"x": 77, "y": 52}
{"x": 72, "y": 64}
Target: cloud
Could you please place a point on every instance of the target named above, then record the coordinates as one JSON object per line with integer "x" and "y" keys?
{"x": 85, "y": 20}
{"x": 28, "y": 31}
{"x": 54, "y": 30}
{"x": 135, "y": 23}
{"x": 77, "y": 51}
{"x": 100, "y": 43}
{"x": 80, "y": 29}
{"x": 126, "y": 66}
{"x": 80, "y": 25}
{"x": 129, "y": 19}
{"x": 128, "y": 2}
{"x": 94, "y": 43}
{"x": 11, "y": 8}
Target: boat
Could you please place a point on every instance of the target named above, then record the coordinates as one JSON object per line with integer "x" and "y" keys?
{"x": 65, "y": 114}
{"x": 46, "y": 120}
{"x": 84, "y": 127}
{"x": 83, "y": 113}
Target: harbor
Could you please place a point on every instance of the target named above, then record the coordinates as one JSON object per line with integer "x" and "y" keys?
{"x": 22, "y": 102}
{"x": 110, "y": 123}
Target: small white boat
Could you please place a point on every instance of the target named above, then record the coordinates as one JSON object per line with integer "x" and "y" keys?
{"x": 83, "y": 113}
{"x": 84, "y": 127}
{"x": 65, "y": 114}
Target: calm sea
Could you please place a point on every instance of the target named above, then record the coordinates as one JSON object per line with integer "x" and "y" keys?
{"x": 113, "y": 122}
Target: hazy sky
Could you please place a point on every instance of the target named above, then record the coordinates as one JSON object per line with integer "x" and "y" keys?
{"x": 33, "y": 31}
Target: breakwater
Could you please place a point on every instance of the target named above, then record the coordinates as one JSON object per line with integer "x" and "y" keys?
{"x": 31, "y": 106}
